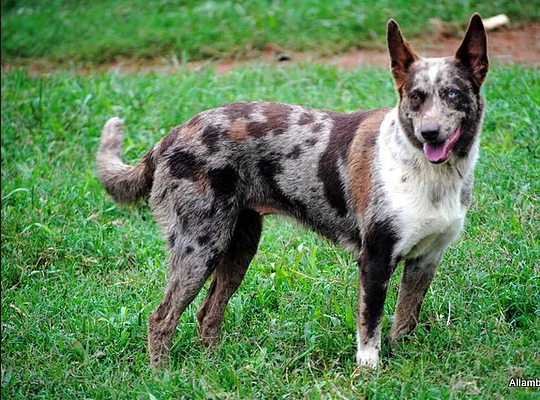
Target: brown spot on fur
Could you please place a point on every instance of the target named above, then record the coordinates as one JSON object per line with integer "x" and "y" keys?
{"x": 317, "y": 128}
{"x": 257, "y": 129}
{"x": 305, "y": 119}
{"x": 278, "y": 115}
{"x": 237, "y": 132}
{"x": 361, "y": 157}
{"x": 265, "y": 210}
{"x": 241, "y": 110}
{"x": 276, "y": 121}
{"x": 191, "y": 128}
{"x": 203, "y": 183}
{"x": 343, "y": 130}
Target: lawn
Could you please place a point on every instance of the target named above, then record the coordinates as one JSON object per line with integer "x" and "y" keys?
{"x": 80, "y": 275}
{"x": 66, "y": 31}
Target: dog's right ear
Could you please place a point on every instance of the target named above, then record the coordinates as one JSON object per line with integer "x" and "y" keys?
{"x": 402, "y": 55}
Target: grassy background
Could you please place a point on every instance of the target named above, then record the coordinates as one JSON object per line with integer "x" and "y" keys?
{"x": 101, "y": 31}
{"x": 80, "y": 275}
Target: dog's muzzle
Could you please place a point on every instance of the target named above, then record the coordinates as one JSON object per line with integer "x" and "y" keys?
{"x": 438, "y": 152}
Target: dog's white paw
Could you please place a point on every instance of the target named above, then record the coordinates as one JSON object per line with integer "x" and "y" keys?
{"x": 368, "y": 357}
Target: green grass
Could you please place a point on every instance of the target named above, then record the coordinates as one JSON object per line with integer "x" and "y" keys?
{"x": 101, "y": 31}
{"x": 80, "y": 275}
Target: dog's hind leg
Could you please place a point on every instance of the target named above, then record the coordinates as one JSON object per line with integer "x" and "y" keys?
{"x": 228, "y": 275}
{"x": 184, "y": 283}
{"x": 194, "y": 255}
{"x": 417, "y": 275}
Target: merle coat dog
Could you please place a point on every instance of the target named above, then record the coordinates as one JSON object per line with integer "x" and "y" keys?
{"x": 389, "y": 185}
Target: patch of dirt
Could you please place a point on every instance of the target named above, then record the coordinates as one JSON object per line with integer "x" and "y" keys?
{"x": 519, "y": 44}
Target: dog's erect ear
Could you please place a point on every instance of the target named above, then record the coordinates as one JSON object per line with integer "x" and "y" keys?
{"x": 402, "y": 55}
{"x": 472, "y": 52}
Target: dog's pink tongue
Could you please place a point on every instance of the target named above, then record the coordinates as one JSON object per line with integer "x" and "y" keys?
{"x": 436, "y": 152}
{"x": 439, "y": 152}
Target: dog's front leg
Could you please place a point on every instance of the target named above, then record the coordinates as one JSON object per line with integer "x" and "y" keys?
{"x": 417, "y": 275}
{"x": 375, "y": 265}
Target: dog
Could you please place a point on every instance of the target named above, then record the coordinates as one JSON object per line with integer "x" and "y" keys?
{"x": 389, "y": 185}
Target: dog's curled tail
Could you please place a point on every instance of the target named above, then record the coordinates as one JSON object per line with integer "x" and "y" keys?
{"x": 125, "y": 183}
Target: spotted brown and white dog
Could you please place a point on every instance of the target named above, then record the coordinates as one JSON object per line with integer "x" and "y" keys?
{"x": 387, "y": 184}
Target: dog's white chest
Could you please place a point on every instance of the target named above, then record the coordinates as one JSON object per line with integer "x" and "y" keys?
{"x": 426, "y": 224}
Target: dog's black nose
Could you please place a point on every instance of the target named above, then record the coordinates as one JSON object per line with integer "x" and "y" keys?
{"x": 430, "y": 130}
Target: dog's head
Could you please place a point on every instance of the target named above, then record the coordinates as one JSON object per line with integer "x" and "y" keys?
{"x": 440, "y": 107}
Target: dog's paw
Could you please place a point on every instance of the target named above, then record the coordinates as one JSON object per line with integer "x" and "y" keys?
{"x": 367, "y": 357}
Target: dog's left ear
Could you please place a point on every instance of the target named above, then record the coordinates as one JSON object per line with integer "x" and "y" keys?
{"x": 472, "y": 52}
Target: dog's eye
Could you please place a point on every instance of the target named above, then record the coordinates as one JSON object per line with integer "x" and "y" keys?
{"x": 415, "y": 97}
{"x": 452, "y": 94}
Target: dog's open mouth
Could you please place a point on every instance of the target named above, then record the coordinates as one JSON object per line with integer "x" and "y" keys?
{"x": 439, "y": 152}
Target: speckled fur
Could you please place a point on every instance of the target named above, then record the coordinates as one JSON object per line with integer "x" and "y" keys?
{"x": 359, "y": 179}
